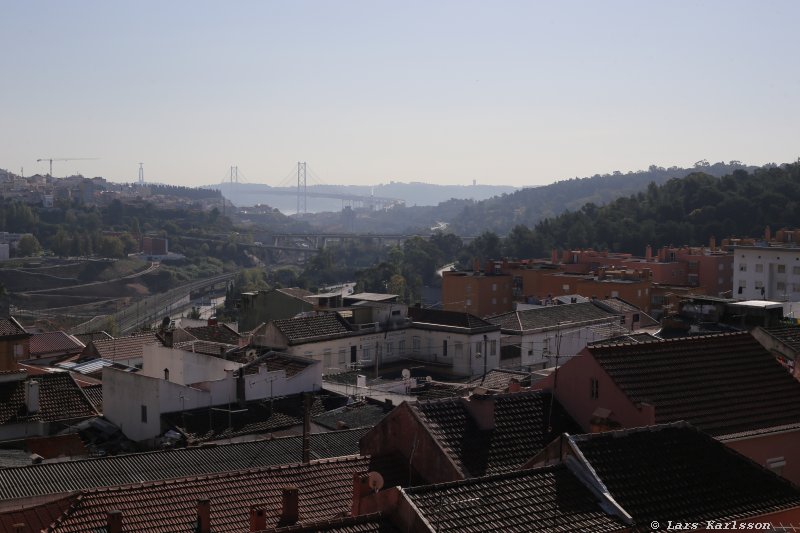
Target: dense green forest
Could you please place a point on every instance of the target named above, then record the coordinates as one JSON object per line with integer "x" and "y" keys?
{"x": 686, "y": 210}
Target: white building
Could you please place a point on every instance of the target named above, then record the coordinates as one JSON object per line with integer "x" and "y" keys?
{"x": 766, "y": 273}
{"x": 387, "y": 333}
{"x": 175, "y": 380}
{"x": 538, "y": 336}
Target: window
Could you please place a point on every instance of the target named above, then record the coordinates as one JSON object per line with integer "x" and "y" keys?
{"x": 494, "y": 287}
{"x": 166, "y": 374}
{"x": 795, "y": 287}
{"x": 615, "y": 294}
{"x": 636, "y": 318}
{"x": 144, "y": 414}
{"x": 721, "y": 266}
{"x": 469, "y": 288}
{"x": 595, "y": 392}
{"x": 759, "y": 284}
{"x": 366, "y": 353}
{"x": 459, "y": 349}
{"x": 760, "y": 267}
{"x": 781, "y": 269}
{"x": 396, "y": 313}
{"x": 444, "y": 348}
{"x": 342, "y": 357}
{"x": 327, "y": 359}
{"x": 469, "y": 302}
{"x": 18, "y": 350}
{"x": 780, "y": 286}
{"x": 389, "y": 348}
{"x": 492, "y": 347}
{"x": 742, "y": 284}
{"x": 565, "y": 287}
{"x": 494, "y": 301}
{"x": 478, "y": 348}
{"x": 742, "y": 267}
{"x": 401, "y": 346}
{"x": 416, "y": 344}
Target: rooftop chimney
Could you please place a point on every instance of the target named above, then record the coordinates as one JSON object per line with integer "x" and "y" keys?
{"x": 712, "y": 243}
{"x": 648, "y": 253}
{"x": 212, "y": 321}
{"x": 203, "y": 516}
{"x": 480, "y": 405}
{"x": 514, "y": 385}
{"x": 361, "y": 489}
{"x": 554, "y": 256}
{"x": 32, "y": 396}
{"x": 767, "y": 234}
{"x": 114, "y": 522}
{"x": 290, "y": 512}
{"x": 258, "y": 519}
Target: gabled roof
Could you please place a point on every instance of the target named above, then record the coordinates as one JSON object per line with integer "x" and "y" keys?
{"x": 123, "y": 347}
{"x": 86, "y": 338}
{"x": 788, "y": 335}
{"x": 60, "y": 398}
{"x": 675, "y": 472}
{"x": 297, "y": 293}
{"x": 53, "y": 343}
{"x": 307, "y": 328}
{"x": 36, "y": 520}
{"x": 272, "y": 361}
{"x": 541, "y": 499}
{"x": 449, "y": 318}
{"x": 521, "y": 430}
{"x": 9, "y": 327}
{"x": 325, "y": 491}
{"x": 498, "y": 379}
{"x": 358, "y": 415}
{"x": 715, "y": 382}
{"x": 61, "y": 477}
{"x": 219, "y": 333}
{"x": 551, "y": 316}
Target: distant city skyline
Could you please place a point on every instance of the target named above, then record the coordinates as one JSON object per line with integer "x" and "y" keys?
{"x": 515, "y": 93}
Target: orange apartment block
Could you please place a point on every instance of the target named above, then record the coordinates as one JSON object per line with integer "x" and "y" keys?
{"x": 477, "y": 293}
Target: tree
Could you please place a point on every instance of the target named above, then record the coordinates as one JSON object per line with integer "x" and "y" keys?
{"x": 28, "y": 245}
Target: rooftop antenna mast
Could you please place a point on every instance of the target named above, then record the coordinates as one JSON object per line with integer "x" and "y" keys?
{"x": 141, "y": 174}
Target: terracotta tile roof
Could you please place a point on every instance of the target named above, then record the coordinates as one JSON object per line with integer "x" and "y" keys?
{"x": 449, "y": 318}
{"x": 550, "y": 317}
{"x": 220, "y": 333}
{"x": 788, "y": 335}
{"x": 10, "y": 327}
{"x": 677, "y": 473}
{"x": 204, "y": 347}
{"x": 54, "y": 342}
{"x": 86, "y": 338}
{"x": 36, "y": 518}
{"x": 367, "y": 523}
{"x": 498, "y": 379}
{"x": 434, "y": 390}
{"x": 542, "y": 499}
{"x": 95, "y": 395}
{"x": 715, "y": 382}
{"x": 123, "y": 347}
{"x": 325, "y": 490}
{"x": 60, "y": 398}
{"x": 68, "y": 476}
{"x": 357, "y": 415}
{"x": 298, "y": 293}
{"x": 520, "y": 432}
{"x": 618, "y": 305}
{"x": 307, "y": 328}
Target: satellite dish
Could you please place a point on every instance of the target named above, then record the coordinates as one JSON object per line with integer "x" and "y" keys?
{"x": 406, "y": 373}
{"x": 375, "y": 481}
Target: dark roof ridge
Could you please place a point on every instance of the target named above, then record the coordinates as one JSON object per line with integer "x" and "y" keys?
{"x": 182, "y": 450}
{"x": 422, "y": 421}
{"x": 329, "y": 523}
{"x": 490, "y": 477}
{"x": 501, "y": 395}
{"x": 219, "y": 475}
{"x": 694, "y": 338}
{"x": 639, "y": 429}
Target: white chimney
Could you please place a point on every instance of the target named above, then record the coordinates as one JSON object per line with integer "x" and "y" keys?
{"x": 32, "y": 396}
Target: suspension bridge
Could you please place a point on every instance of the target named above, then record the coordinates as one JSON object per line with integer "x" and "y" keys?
{"x": 297, "y": 183}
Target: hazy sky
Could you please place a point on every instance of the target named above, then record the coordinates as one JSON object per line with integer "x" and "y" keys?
{"x": 505, "y": 92}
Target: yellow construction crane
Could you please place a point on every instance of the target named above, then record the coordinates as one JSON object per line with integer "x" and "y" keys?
{"x": 51, "y": 159}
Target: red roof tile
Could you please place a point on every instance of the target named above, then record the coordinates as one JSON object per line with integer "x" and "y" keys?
{"x": 60, "y": 398}
{"x": 716, "y": 382}
{"x": 53, "y": 343}
{"x": 10, "y": 327}
{"x": 123, "y": 347}
{"x": 325, "y": 489}
{"x": 35, "y": 518}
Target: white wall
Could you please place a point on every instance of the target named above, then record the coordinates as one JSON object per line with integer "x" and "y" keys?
{"x": 184, "y": 367}
{"x": 539, "y": 348}
{"x": 757, "y": 268}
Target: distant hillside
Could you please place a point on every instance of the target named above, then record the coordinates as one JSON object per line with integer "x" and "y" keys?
{"x": 413, "y": 194}
{"x": 529, "y": 206}
{"x": 681, "y": 211}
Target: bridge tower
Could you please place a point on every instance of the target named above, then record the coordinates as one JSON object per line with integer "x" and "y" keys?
{"x": 302, "y": 188}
